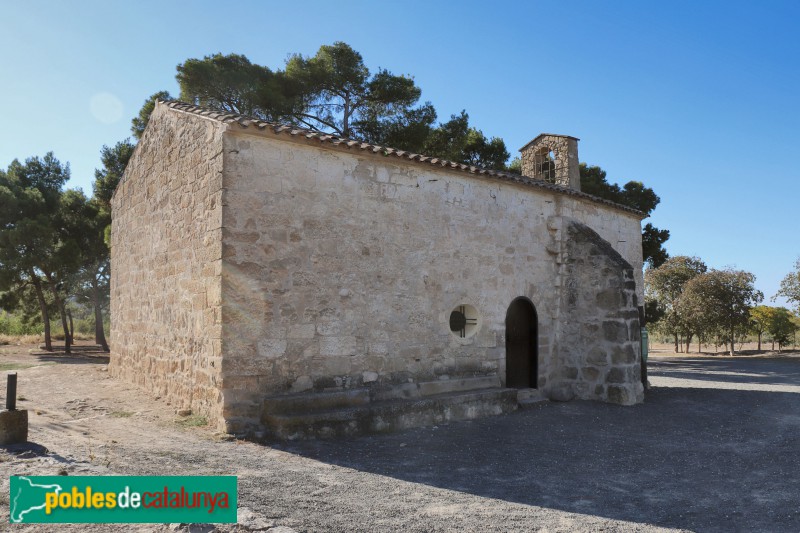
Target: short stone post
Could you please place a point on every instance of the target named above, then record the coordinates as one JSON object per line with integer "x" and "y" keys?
{"x": 13, "y": 422}
{"x": 11, "y": 393}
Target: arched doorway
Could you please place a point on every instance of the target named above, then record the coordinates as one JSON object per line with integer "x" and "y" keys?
{"x": 522, "y": 345}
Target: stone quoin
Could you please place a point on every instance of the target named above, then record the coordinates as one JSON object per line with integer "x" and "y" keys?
{"x": 291, "y": 283}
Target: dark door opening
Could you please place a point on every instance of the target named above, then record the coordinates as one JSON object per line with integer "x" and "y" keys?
{"x": 522, "y": 345}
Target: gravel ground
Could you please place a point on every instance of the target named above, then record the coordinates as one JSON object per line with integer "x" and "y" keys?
{"x": 715, "y": 447}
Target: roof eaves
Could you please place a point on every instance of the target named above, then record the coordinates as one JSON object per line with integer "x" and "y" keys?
{"x": 294, "y": 131}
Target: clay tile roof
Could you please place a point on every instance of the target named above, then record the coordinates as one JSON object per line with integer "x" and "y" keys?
{"x": 282, "y": 129}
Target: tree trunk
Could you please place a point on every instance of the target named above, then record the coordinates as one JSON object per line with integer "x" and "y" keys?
{"x": 688, "y": 343}
{"x": 71, "y": 327}
{"x": 699, "y": 347}
{"x": 62, "y": 312}
{"x": 733, "y": 343}
{"x": 48, "y": 342}
{"x": 773, "y": 345}
{"x": 99, "y": 333}
{"x": 676, "y": 343}
{"x": 346, "y": 118}
{"x": 759, "y": 341}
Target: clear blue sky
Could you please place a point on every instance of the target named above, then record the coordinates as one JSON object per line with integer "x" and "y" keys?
{"x": 698, "y": 100}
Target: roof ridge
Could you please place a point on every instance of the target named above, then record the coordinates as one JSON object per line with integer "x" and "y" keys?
{"x": 294, "y": 131}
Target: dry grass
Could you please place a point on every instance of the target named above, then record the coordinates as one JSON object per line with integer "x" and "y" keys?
{"x": 192, "y": 421}
{"x": 20, "y": 339}
{"x": 59, "y": 336}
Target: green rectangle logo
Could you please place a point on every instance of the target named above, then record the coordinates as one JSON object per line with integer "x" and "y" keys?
{"x": 122, "y": 499}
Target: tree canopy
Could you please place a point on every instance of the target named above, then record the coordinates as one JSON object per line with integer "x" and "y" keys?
{"x": 32, "y": 239}
{"x": 335, "y": 92}
{"x": 790, "y": 286}
{"x": 664, "y": 286}
{"x": 778, "y": 322}
{"x": 52, "y": 248}
{"x": 761, "y": 317}
{"x": 139, "y": 122}
{"x": 633, "y": 194}
{"x": 719, "y": 301}
{"x": 114, "y": 160}
{"x": 232, "y": 83}
{"x": 783, "y": 326}
{"x": 456, "y": 140}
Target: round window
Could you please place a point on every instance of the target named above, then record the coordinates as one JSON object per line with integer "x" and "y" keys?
{"x": 464, "y": 321}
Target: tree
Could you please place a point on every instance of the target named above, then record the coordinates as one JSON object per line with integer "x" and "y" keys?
{"x": 790, "y": 286}
{"x": 139, "y": 123}
{"x": 761, "y": 316}
{"x": 665, "y": 285}
{"x": 721, "y": 300}
{"x": 22, "y": 301}
{"x": 633, "y": 194}
{"x": 232, "y": 83}
{"x": 782, "y": 327}
{"x": 333, "y": 92}
{"x": 30, "y": 197}
{"x": 84, "y": 223}
{"x": 64, "y": 257}
{"x": 457, "y": 141}
{"x": 409, "y": 130}
{"x": 653, "y": 239}
{"x": 114, "y": 160}
{"x": 52, "y": 241}
{"x": 95, "y": 273}
{"x": 691, "y": 323}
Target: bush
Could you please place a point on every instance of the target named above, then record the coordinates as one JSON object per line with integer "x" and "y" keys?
{"x": 84, "y": 326}
{"x": 15, "y": 325}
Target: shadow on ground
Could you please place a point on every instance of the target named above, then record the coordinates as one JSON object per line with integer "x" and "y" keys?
{"x": 701, "y": 459}
{"x": 751, "y": 370}
{"x": 80, "y": 355}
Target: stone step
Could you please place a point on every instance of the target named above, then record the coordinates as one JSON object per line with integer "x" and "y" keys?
{"x": 444, "y": 386}
{"x": 532, "y": 404}
{"x": 318, "y": 401}
{"x": 530, "y": 398}
{"x": 391, "y": 415}
{"x": 441, "y": 386}
{"x": 529, "y": 394}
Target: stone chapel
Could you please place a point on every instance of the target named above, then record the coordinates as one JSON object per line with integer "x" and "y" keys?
{"x": 288, "y": 283}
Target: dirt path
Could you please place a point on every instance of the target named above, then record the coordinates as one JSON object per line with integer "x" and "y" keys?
{"x": 577, "y": 466}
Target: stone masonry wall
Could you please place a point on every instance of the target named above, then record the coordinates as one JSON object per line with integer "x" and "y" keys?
{"x": 166, "y": 247}
{"x": 599, "y": 347}
{"x": 340, "y": 269}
